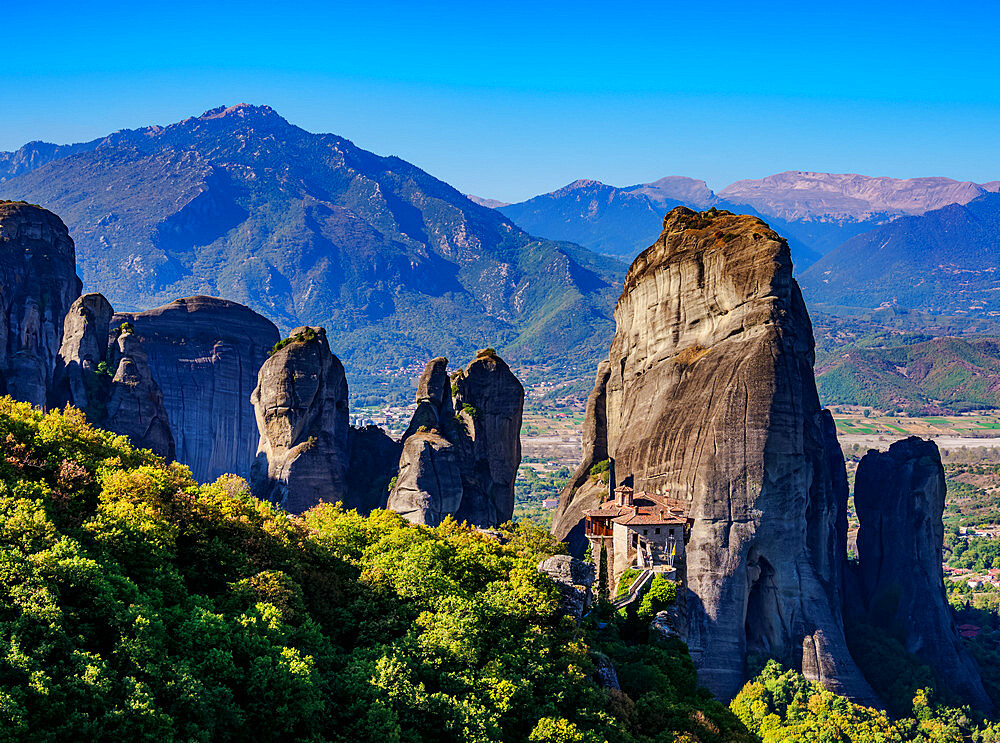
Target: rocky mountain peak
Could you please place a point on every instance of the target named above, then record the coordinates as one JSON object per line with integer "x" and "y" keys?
{"x": 38, "y": 284}
{"x": 241, "y": 111}
{"x": 687, "y": 233}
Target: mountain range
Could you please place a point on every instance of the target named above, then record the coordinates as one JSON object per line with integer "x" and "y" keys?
{"x": 815, "y": 212}
{"x": 311, "y": 229}
{"x": 943, "y": 262}
{"x": 397, "y": 265}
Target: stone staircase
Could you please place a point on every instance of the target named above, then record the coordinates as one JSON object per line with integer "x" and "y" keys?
{"x": 635, "y": 590}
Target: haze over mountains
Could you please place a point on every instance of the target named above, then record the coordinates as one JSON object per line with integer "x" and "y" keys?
{"x": 310, "y": 229}
{"x": 816, "y": 212}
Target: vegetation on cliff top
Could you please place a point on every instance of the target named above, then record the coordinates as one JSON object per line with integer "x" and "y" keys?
{"x": 138, "y": 604}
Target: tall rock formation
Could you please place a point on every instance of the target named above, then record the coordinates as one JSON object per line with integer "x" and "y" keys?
{"x": 205, "y": 353}
{"x": 490, "y": 403}
{"x": 38, "y": 283}
{"x": 300, "y": 404}
{"x": 79, "y": 378}
{"x": 711, "y": 398}
{"x": 429, "y": 483}
{"x": 899, "y": 496}
{"x": 463, "y": 463}
{"x": 584, "y": 492}
{"x": 135, "y": 404}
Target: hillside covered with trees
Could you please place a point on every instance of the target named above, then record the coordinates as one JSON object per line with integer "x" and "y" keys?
{"x": 136, "y": 604}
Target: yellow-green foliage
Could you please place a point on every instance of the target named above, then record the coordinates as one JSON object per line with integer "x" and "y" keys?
{"x": 781, "y": 706}
{"x": 136, "y": 604}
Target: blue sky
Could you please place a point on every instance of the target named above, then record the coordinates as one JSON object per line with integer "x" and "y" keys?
{"x": 512, "y": 99}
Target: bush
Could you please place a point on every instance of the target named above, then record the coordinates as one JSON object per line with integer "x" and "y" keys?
{"x": 601, "y": 471}
{"x": 306, "y": 335}
{"x": 660, "y": 593}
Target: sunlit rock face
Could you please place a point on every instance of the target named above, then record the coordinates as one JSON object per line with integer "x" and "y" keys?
{"x": 301, "y": 406}
{"x": 38, "y": 284}
{"x": 135, "y": 403}
{"x": 710, "y": 398}
{"x": 899, "y": 496}
{"x": 462, "y": 448}
{"x": 79, "y": 378}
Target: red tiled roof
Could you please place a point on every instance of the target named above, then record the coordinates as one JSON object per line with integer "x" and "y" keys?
{"x": 646, "y": 508}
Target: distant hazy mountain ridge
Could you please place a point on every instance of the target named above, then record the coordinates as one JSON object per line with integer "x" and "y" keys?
{"x": 943, "y": 262}
{"x": 816, "y": 212}
{"x": 798, "y": 195}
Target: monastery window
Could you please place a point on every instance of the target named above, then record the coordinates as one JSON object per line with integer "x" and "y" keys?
{"x": 657, "y": 530}
{"x": 645, "y": 532}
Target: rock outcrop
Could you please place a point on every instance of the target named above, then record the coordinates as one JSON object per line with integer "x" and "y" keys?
{"x": 490, "y": 403}
{"x": 205, "y": 353}
{"x": 711, "y": 398}
{"x": 79, "y": 378}
{"x": 584, "y": 492}
{"x": 899, "y": 496}
{"x": 135, "y": 404}
{"x": 300, "y": 404}
{"x": 38, "y": 283}
{"x": 460, "y": 454}
{"x": 108, "y": 377}
{"x": 574, "y": 578}
{"x": 429, "y": 484}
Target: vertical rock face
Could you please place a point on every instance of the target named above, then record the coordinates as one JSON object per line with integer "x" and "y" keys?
{"x": 135, "y": 405}
{"x": 205, "y": 353}
{"x": 38, "y": 283}
{"x": 583, "y": 492}
{"x": 78, "y": 380}
{"x": 462, "y": 464}
{"x": 429, "y": 484}
{"x": 301, "y": 407}
{"x": 490, "y": 401}
{"x": 710, "y": 397}
{"x": 899, "y": 496}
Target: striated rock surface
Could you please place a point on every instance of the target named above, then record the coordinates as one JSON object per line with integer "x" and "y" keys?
{"x": 583, "y": 492}
{"x": 78, "y": 378}
{"x": 135, "y": 405}
{"x": 899, "y": 496}
{"x": 462, "y": 463}
{"x": 490, "y": 403}
{"x": 205, "y": 354}
{"x": 300, "y": 404}
{"x": 711, "y": 398}
{"x": 38, "y": 283}
{"x": 429, "y": 484}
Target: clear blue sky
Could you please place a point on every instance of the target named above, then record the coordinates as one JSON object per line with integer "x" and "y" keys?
{"x": 512, "y": 99}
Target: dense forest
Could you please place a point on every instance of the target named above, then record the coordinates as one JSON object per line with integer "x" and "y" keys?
{"x": 136, "y": 604}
